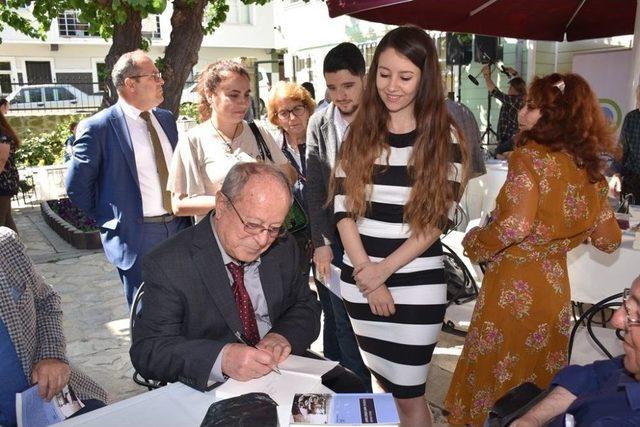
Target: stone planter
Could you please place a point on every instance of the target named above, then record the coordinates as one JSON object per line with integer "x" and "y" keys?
{"x": 77, "y": 238}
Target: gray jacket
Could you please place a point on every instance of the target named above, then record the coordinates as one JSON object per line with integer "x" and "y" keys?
{"x": 31, "y": 311}
{"x": 322, "y": 148}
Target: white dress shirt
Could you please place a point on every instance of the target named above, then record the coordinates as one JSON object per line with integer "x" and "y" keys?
{"x": 341, "y": 125}
{"x": 148, "y": 177}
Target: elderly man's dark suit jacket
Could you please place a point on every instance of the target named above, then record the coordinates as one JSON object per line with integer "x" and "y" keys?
{"x": 189, "y": 311}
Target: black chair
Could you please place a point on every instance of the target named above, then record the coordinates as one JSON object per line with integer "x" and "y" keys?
{"x": 461, "y": 286}
{"x": 514, "y": 404}
{"x": 133, "y": 316}
{"x": 586, "y": 320}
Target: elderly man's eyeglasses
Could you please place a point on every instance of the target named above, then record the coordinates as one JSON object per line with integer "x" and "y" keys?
{"x": 255, "y": 229}
{"x": 297, "y": 111}
{"x": 631, "y": 320}
{"x": 156, "y": 76}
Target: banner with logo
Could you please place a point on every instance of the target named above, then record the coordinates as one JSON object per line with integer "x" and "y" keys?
{"x": 608, "y": 74}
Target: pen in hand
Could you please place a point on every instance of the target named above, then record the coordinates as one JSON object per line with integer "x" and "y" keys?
{"x": 243, "y": 340}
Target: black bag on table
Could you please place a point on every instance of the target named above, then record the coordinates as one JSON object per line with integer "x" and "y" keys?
{"x": 247, "y": 410}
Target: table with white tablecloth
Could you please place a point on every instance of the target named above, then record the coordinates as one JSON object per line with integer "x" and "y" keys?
{"x": 595, "y": 275}
{"x": 179, "y": 405}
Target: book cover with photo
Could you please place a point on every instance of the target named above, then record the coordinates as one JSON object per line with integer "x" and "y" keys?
{"x": 33, "y": 411}
{"x": 346, "y": 409}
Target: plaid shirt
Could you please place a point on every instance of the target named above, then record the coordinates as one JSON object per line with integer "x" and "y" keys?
{"x": 630, "y": 142}
{"x": 508, "y": 119}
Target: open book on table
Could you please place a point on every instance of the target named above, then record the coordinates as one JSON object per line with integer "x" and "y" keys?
{"x": 33, "y": 411}
{"x": 298, "y": 375}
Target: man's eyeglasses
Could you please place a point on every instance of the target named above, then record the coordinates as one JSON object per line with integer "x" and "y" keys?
{"x": 297, "y": 111}
{"x": 255, "y": 229}
{"x": 156, "y": 76}
{"x": 626, "y": 294}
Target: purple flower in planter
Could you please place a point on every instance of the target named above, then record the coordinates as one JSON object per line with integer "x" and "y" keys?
{"x": 73, "y": 215}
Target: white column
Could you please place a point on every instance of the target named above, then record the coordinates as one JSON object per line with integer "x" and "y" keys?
{"x": 635, "y": 62}
{"x": 532, "y": 47}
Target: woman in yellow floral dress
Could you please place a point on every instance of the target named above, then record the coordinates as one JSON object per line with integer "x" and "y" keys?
{"x": 554, "y": 198}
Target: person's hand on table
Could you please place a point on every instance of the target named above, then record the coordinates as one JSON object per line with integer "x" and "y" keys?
{"x": 369, "y": 276}
{"x": 244, "y": 363}
{"x": 51, "y": 375}
{"x": 277, "y": 345}
{"x": 322, "y": 257}
{"x": 381, "y": 302}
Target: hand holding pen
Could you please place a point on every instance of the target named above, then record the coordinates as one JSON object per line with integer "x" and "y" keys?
{"x": 243, "y": 340}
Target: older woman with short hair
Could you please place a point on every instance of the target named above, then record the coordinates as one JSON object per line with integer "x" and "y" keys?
{"x": 289, "y": 107}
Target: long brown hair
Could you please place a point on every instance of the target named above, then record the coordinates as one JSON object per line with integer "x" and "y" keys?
{"x": 430, "y": 163}
{"x": 570, "y": 120}
{"x": 6, "y": 129}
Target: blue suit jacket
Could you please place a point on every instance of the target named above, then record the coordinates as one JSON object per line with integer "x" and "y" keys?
{"x": 102, "y": 180}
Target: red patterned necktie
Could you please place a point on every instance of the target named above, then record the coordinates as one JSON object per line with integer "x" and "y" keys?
{"x": 243, "y": 302}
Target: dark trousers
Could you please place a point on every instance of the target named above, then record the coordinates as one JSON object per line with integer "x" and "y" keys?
{"x": 631, "y": 184}
{"x": 330, "y": 347}
{"x": 349, "y": 352}
{"x": 152, "y": 235}
{"x": 6, "y": 220}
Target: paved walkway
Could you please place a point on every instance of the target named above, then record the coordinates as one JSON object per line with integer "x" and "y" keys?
{"x": 96, "y": 319}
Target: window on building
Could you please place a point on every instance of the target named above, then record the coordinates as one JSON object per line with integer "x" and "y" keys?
{"x": 239, "y": 13}
{"x": 151, "y": 27}
{"x": 70, "y": 26}
{"x": 5, "y": 78}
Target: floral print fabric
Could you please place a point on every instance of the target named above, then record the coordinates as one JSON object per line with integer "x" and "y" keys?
{"x": 521, "y": 323}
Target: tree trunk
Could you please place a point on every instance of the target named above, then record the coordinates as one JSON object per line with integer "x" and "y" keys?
{"x": 182, "y": 52}
{"x": 126, "y": 37}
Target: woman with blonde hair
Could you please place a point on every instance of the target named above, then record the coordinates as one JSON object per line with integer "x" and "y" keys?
{"x": 289, "y": 108}
{"x": 204, "y": 156}
{"x": 554, "y": 198}
{"x": 399, "y": 174}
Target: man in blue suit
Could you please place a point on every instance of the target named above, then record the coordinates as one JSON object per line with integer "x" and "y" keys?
{"x": 118, "y": 173}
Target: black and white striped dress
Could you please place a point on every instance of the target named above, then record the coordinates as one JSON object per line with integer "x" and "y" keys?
{"x": 397, "y": 349}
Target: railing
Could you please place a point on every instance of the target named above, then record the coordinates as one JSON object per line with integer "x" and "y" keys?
{"x": 66, "y": 94}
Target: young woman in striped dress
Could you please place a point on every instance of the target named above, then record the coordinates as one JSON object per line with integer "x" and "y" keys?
{"x": 396, "y": 185}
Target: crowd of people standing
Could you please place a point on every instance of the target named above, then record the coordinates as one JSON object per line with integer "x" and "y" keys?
{"x": 365, "y": 187}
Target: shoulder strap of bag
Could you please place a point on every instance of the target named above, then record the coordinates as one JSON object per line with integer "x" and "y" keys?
{"x": 263, "y": 148}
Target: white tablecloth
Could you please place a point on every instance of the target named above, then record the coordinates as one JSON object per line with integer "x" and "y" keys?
{"x": 595, "y": 275}
{"x": 179, "y": 405}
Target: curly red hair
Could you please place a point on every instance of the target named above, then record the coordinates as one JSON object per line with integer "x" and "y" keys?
{"x": 571, "y": 120}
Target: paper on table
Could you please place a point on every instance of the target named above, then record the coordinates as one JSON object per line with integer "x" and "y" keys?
{"x": 282, "y": 388}
{"x": 305, "y": 365}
